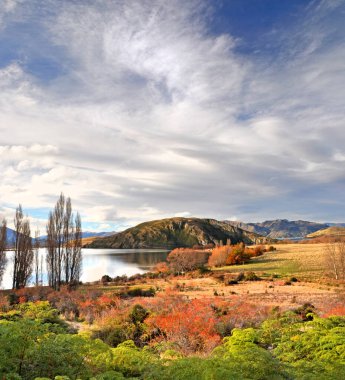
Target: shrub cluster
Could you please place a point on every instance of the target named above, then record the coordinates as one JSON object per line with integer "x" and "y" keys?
{"x": 35, "y": 344}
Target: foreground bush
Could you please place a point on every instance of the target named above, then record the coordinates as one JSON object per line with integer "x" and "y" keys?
{"x": 295, "y": 345}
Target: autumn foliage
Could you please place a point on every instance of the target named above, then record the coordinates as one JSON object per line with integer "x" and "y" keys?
{"x": 185, "y": 259}
{"x": 229, "y": 255}
{"x": 190, "y": 326}
{"x": 219, "y": 256}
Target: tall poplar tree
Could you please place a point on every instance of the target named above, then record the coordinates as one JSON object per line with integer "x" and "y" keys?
{"x": 3, "y": 241}
{"x": 23, "y": 252}
{"x": 64, "y": 232}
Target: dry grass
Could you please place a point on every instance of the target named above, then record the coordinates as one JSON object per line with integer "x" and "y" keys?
{"x": 308, "y": 261}
{"x": 266, "y": 293}
{"x": 270, "y": 293}
{"x": 330, "y": 231}
{"x": 304, "y": 261}
{"x": 88, "y": 240}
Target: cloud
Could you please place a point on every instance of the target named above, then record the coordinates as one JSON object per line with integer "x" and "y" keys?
{"x": 6, "y": 8}
{"x": 137, "y": 110}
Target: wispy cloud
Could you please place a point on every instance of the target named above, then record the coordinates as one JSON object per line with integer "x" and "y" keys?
{"x": 138, "y": 111}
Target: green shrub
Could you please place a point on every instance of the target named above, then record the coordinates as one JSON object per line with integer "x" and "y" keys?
{"x": 139, "y": 292}
{"x": 138, "y": 314}
{"x": 110, "y": 375}
{"x": 251, "y": 276}
{"x": 132, "y": 361}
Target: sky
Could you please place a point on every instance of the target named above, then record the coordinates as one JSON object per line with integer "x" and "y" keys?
{"x": 146, "y": 109}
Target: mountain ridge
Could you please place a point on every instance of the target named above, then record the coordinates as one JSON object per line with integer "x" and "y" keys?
{"x": 176, "y": 232}
{"x": 282, "y": 228}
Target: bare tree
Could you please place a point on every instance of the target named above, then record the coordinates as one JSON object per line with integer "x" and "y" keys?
{"x": 63, "y": 244}
{"x": 23, "y": 252}
{"x": 18, "y": 222}
{"x": 26, "y": 256}
{"x": 185, "y": 259}
{"x": 76, "y": 258}
{"x": 3, "y": 241}
{"x": 335, "y": 258}
{"x": 68, "y": 232}
{"x": 37, "y": 259}
{"x": 51, "y": 252}
{"x": 59, "y": 220}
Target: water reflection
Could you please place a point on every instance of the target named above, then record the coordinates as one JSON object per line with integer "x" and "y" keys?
{"x": 117, "y": 262}
{"x": 98, "y": 262}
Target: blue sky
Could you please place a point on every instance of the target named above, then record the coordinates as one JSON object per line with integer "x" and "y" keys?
{"x": 147, "y": 109}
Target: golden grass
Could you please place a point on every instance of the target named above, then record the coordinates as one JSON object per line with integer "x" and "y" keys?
{"x": 330, "y": 231}
{"x": 305, "y": 260}
{"x": 88, "y": 240}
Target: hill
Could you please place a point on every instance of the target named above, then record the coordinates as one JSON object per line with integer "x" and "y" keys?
{"x": 330, "y": 231}
{"x": 176, "y": 232}
{"x": 281, "y": 228}
{"x": 89, "y": 238}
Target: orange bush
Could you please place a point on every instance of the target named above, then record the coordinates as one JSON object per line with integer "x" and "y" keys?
{"x": 161, "y": 267}
{"x": 191, "y": 326}
{"x": 237, "y": 255}
{"x": 219, "y": 256}
{"x": 256, "y": 251}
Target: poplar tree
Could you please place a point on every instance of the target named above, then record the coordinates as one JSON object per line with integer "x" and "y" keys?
{"x": 37, "y": 258}
{"x": 3, "y": 241}
{"x": 64, "y": 234}
{"x": 23, "y": 252}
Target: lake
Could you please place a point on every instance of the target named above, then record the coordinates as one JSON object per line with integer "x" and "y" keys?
{"x": 98, "y": 262}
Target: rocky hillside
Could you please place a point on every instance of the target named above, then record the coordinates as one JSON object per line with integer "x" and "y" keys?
{"x": 281, "y": 228}
{"x": 330, "y": 231}
{"x": 176, "y": 232}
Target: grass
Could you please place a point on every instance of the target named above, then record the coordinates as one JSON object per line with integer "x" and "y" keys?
{"x": 305, "y": 260}
{"x": 330, "y": 231}
{"x": 88, "y": 240}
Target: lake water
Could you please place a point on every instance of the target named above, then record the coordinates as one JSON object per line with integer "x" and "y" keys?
{"x": 98, "y": 262}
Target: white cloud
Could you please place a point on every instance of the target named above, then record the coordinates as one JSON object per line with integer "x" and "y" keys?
{"x": 150, "y": 113}
{"x": 183, "y": 214}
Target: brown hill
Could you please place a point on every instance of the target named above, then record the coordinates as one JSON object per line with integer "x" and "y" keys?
{"x": 177, "y": 232}
{"x": 328, "y": 232}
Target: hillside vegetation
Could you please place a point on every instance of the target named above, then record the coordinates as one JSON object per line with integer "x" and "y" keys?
{"x": 330, "y": 231}
{"x": 176, "y": 232}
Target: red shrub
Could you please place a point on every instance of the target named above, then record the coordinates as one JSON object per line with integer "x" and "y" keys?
{"x": 191, "y": 326}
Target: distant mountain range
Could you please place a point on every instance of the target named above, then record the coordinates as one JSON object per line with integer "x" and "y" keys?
{"x": 186, "y": 232}
{"x": 85, "y": 234}
{"x": 281, "y": 228}
{"x": 176, "y": 232}
{"x": 11, "y": 236}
